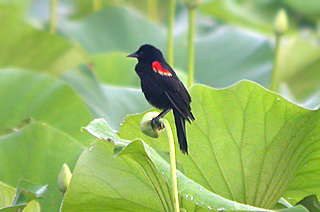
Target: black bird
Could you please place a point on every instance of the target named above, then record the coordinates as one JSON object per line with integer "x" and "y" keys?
{"x": 163, "y": 89}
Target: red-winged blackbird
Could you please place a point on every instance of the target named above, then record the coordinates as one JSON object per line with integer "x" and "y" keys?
{"x": 163, "y": 89}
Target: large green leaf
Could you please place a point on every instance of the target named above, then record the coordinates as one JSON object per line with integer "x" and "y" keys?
{"x": 108, "y": 184}
{"x": 307, "y": 180}
{"x": 15, "y": 208}
{"x": 7, "y": 195}
{"x": 247, "y": 144}
{"x": 23, "y": 46}
{"x": 223, "y": 56}
{"x": 311, "y": 203}
{"x": 228, "y": 55}
{"x": 49, "y": 134}
{"x": 246, "y": 14}
{"x": 12, "y": 9}
{"x": 27, "y": 191}
{"x": 105, "y": 183}
{"x": 32, "y": 206}
{"x": 43, "y": 99}
{"x": 105, "y": 172}
{"x": 110, "y": 103}
{"x": 36, "y": 153}
{"x": 115, "y": 69}
{"x": 308, "y": 8}
{"x": 113, "y": 29}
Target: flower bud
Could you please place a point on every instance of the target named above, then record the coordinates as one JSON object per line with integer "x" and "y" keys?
{"x": 64, "y": 178}
{"x": 281, "y": 23}
{"x": 145, "y": 125}
{"x": 192, "y": 4}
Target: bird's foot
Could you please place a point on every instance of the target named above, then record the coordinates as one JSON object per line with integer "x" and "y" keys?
{"x": 157, "y": 123}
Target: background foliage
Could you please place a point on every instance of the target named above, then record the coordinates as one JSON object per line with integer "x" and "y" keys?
{"x": 247, "y": 145}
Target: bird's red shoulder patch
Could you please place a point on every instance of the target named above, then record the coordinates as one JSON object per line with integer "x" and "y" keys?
{"x": 157, "y": 67}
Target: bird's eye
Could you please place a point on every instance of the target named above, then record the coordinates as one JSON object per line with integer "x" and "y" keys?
{"x": 140, "y": 53}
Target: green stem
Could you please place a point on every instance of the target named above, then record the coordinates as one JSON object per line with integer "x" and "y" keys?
{"x": 152, "y": 9}
{"x": 173, "y": 166}
{"x": 192, "y": 15}
{"x": 97, "y": 5}
{"x": 172, "y": 11}
{"x": 274, "y": 80}
{"x": 53, "y": 16}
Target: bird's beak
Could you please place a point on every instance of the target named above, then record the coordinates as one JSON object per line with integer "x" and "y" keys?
{"x": 134, "y": 55}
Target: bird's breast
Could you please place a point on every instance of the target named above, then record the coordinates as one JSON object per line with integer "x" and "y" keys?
{"x": 154, "y": 93}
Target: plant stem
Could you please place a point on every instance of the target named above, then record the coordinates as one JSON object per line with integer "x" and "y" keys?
{"x": 152, "y": 9}
{"x": 172, "y": 11}
{"x": 192, "y": 15}
{"x": 53, "y": 16}
{"x": 97, "y": 5}
{"x": 274, "y": 80}
{"x": 173, "y": 166}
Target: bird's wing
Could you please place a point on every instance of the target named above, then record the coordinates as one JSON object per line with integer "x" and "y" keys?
{"x": 174, "y": 89}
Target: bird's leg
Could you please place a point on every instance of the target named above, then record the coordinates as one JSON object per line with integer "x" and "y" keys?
{"x": 155, "y": 124}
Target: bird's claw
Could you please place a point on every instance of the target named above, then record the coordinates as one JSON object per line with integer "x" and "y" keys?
{"x": 156, "y": 124}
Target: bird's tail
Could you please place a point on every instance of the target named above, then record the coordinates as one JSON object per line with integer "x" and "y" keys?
{"x": 181, "y": 131}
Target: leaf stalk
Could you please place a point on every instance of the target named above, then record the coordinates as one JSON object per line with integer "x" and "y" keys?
{"x": 173, "y": 166}
{"x": 192, "y": 15}
{"x": 53, "y": 16}
{"x": 172, "y": 11}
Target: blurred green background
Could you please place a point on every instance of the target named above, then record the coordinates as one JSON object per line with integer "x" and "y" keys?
{"x": 234, "y": 40}
{"x": 59, "y": 79}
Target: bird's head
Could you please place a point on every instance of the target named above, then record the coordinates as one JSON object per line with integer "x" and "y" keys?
{"x": 147, "y": 53}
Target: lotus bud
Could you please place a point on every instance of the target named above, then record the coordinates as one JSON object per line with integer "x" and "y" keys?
{"x": 64, "y": 178}
{"x": 281, "y": 23}
{"x": 145, "y": 125}
{"x": 192, "y": 4}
